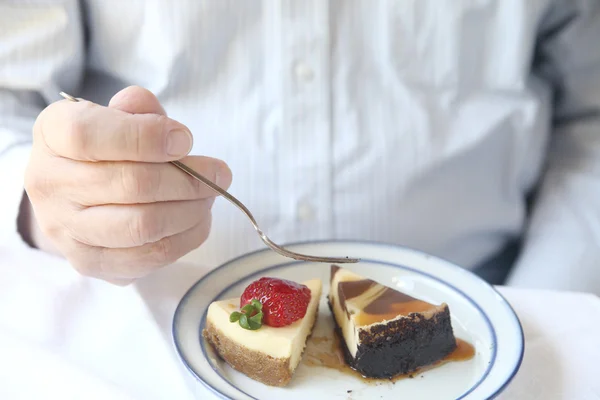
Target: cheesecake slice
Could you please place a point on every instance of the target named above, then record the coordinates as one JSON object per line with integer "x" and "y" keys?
{"x": 268, "y": 354}
{"x": 385, "y": 332}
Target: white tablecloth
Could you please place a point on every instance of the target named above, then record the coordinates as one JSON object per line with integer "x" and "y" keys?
{"x": 68, "y": 337}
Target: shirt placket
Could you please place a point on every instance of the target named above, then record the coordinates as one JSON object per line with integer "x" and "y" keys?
{"x": 305, "y": 143}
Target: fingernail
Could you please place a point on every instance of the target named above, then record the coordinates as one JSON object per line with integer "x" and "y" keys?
{"x": 179, "y": 142}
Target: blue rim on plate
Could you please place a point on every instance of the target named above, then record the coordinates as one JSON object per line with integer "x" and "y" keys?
{"x": 398, "y": 266}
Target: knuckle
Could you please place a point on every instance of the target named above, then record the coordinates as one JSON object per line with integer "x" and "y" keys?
{"x": 205, "y": 229}
{"x": 146, "y": 135}
{"x": 37, "y": 185}
{"x": 143, "y": 228}
{"x": 140, "y": 180}
{"x": 161, "y": 122}
{"x": 162, "y": 252}
{"x": 96, "y": 175}
{"x": 49, "y": 230}
{"x": 84, "y": 259}
{"x": 61, "y": 127}
{"x": 199, "y": 234}
{"x": 223, "y": 171}
{"x": 198, "y": 188}
{"x": 135, "y": 138}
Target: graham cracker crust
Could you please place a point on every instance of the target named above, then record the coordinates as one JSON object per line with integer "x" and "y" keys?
{"x": 256, "y": 365}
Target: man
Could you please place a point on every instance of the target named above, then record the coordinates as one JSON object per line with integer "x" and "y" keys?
{"x": 426, "y": 124}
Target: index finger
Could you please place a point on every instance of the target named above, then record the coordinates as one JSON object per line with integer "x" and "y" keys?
{"x": 86, "y": 131}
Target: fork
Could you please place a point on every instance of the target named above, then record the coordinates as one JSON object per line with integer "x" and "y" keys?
{"x": 272, "y": 245}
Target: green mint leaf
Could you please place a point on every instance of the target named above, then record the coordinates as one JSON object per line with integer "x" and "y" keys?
{"x": 250, "y": 316}
{"x": 257, "y": 304}
{"x": 235, "y": 316}
{"x": 248, "y": 309}
{"x": 255, "y": 321}
{"x": 257, "y": 318}
{"x": 254, "y": 325}
{"x": 244, "y": 321}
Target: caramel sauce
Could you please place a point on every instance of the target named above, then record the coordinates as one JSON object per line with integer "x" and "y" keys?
{"x": 464, "y": 351}
{"x": 377, "y": 303}
{"x": 393, "y": 310}
{"x": 388, "y": 298}
{"x": 320, "y": 339}
{"x": 326, "y": 351}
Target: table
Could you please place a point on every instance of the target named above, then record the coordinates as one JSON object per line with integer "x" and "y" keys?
{"x": 69, "y": 337}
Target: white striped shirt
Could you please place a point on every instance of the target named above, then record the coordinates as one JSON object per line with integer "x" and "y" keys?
{"x": 423, "y": 123}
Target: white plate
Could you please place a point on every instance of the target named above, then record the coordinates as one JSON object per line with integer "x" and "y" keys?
{"x": 480, "y": 315}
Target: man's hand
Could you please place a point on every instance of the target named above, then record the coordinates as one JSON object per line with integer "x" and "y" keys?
{"x": 104, "y": 193}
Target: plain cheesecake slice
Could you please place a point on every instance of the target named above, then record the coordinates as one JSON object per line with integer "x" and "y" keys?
{"x": 269, "y": 355}
{"x": 385, "y": 332}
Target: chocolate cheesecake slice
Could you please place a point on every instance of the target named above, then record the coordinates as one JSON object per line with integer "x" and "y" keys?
{"x": 385, "y": 332}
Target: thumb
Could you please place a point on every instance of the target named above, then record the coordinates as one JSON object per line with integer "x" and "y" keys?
{"x": 136, "y": 100}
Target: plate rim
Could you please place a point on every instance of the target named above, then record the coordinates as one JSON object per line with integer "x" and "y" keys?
{"x": 505, "y": 302}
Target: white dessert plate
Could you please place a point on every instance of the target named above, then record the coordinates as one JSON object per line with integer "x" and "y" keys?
{"x": 480, "y": 315}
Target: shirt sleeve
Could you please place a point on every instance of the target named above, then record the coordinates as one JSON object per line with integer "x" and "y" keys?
{"x": 41, "y": 53}
{"x": 562, "y": 244}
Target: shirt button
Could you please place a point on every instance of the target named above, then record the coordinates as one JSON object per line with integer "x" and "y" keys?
{"x": 305, "y": 212}
{"x": 304, "y": 72}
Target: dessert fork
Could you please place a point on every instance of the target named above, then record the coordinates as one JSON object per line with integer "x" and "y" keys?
{"x": 274, "y": 246}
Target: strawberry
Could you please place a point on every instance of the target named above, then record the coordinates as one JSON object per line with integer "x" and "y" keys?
{"x": 283, "y": 302}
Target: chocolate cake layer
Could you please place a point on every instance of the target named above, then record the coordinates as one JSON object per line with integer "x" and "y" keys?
{"x": 389, "y": 333}
{"x": 401, "y": 346}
